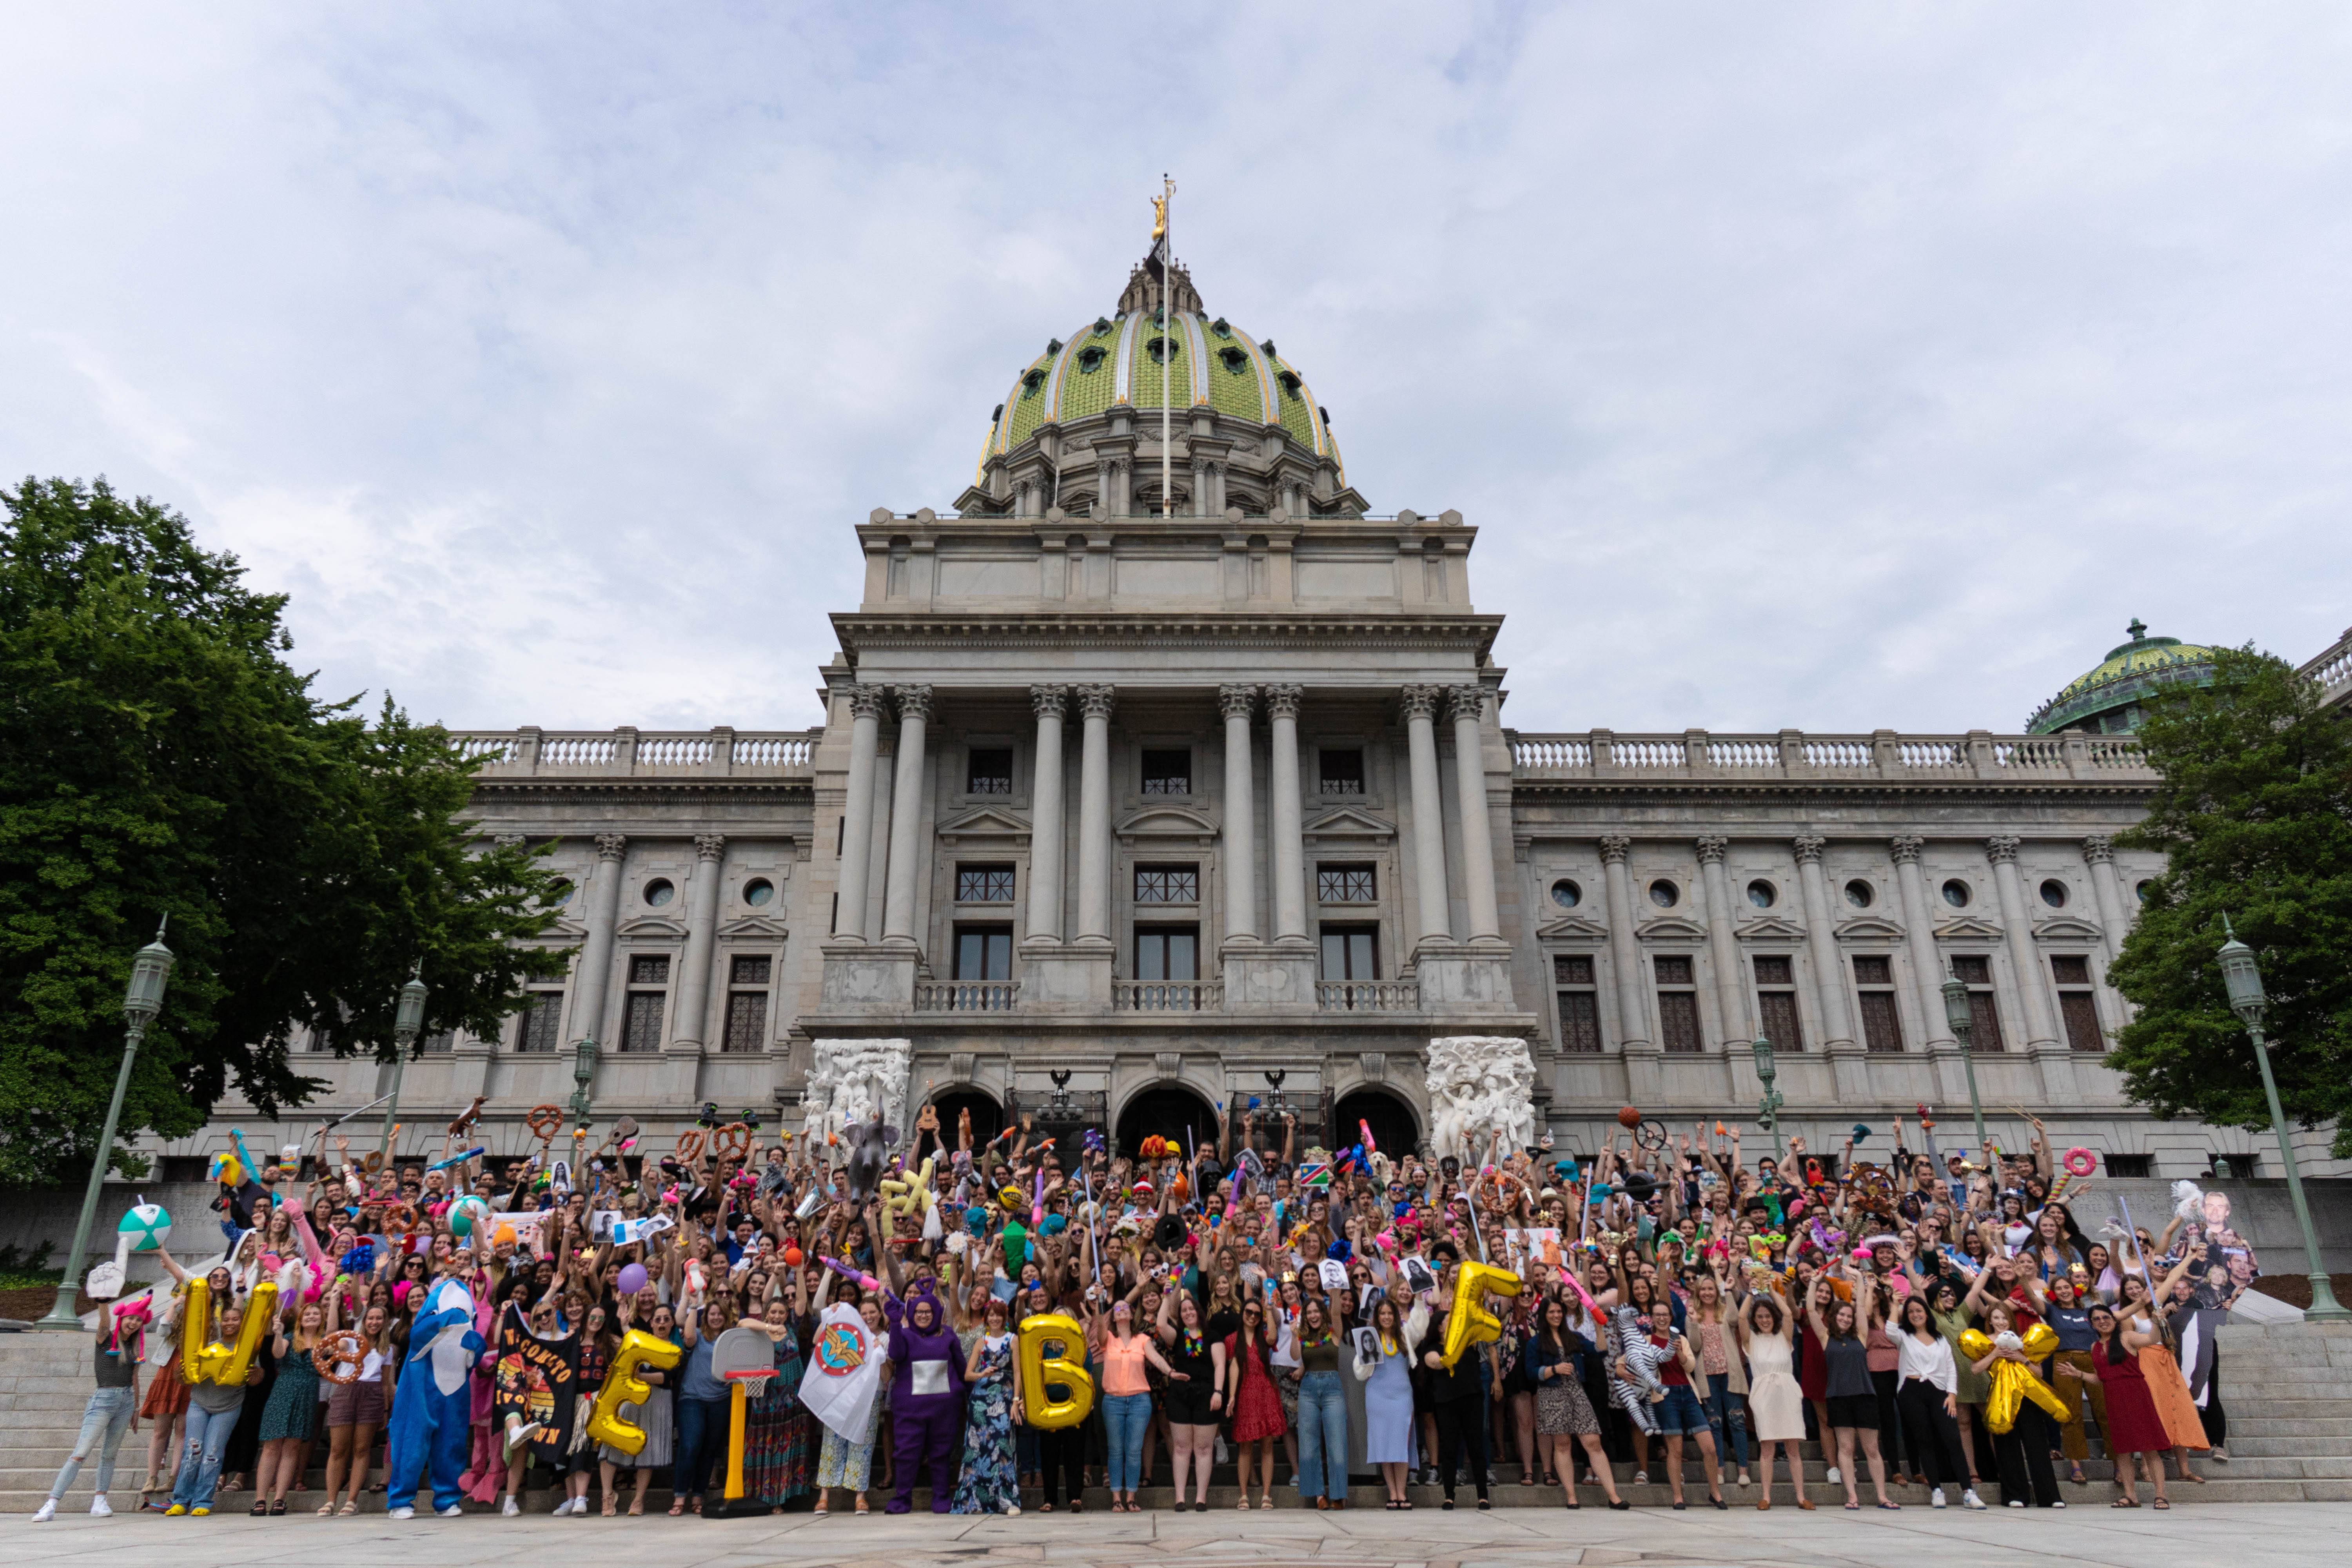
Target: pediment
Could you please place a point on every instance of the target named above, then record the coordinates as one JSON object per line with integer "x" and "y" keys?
{"x": 1346, "y": 822}
{"x": 651, "y": 925}
{"x": 1168, "y": 822}
{"x": 566, "y": 928}
{"x": 2066, "y": 928}
{"x": 1572, "y": 927}
{"x": 982, "y": 822}
{"x": 1968, "y": 925}
{"x": 755, "y": 925}
{"x": 1869, "y": 928}
{"x": 1670, "y": 927}
{"x": 1770, "y": 928}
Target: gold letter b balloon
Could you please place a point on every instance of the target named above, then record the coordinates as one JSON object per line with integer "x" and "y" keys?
{"x": 1467, "y": 1322}
{"x": 623, "y": 1386}
{"x": 1062, "y": 1332}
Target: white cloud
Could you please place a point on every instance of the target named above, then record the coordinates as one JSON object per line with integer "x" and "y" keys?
{"x": 1828, "y": 365}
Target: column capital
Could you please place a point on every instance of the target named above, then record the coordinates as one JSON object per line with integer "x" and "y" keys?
{"x": 1236, "y": 701}
{"x": 514, "y": 841}
{"x": 1907, "y": 850}
{"x": 1712, "y": 849}
{"x": 1049, "y": 701}
{"x": 612, "y": 845}
{"x": 914, "y": 703}
{"x": 2001, "y": 850}
{"x": 709, "y": 846}
{"x": 1615, "y": 848}
{"x": 2099, "y": 849}
{"x": 1418, "y": 701}
{"x": 1097, "y": 702}
{"x": 866, "y": 701}
{"x": 1465, "y": 703}
{"x": 1809, "y": 850}
{"x": 1282, "y": 701}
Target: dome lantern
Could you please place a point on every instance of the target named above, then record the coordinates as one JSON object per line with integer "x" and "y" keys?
{"x": 2108, "y": 699}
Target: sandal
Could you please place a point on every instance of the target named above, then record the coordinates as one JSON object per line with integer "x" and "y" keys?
{"x": 260, "y": 1509}
{"x": 861, "y": 1506}
{"x": 612, "y": 1504}
{"x": 637, "y": 1508}
{"x": 348, "y": 1508}
{"x": 278, "y": 1507}
{"x": 2125, "y": 1502}
{"x": 1265, "y": 1501}
{"x": 326, "y": 1508}
{"x": 820, "y": 1510}
{"x": 2160, "y": 1503}
{"x": 1244, "y": 1504}
{"x": 676, "y": 1507}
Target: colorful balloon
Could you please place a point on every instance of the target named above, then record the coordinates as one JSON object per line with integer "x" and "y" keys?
{"x": 633, "y": 1279}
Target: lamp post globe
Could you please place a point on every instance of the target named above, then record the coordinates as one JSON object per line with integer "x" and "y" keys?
{"x": 142, "y": 1000}
{"x": 2242, "y": 979}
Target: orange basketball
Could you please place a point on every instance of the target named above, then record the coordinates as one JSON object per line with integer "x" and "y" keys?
{"x": 1629, "y": 1117}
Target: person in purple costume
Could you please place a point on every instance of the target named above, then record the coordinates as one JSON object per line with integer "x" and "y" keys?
{"x": 926, "y": 1396}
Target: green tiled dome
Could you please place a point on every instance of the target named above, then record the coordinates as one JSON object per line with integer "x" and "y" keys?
{"x": 2107, "y": 699}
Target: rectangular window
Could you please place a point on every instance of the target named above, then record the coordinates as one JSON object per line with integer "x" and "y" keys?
{"x": 1351, "y": 953}
{"x": 440, "y": 1044}
{"x": 2070, "y": 969}
{"x": 750, "y": 969}
{"x": 1672, "y": 968}
{"x": 1168, "y": 884}
{"x": 649, "y": 969}
{"x": 1975, "y": 972}
{"x": 641, "y": 1025}
{"x": 988, "y": 770}
{"x": 1778, "y": 1010}
{"x": 1973, "y": 968}
{"x": 1344, "y": 884}
{"x": 2240, "y": 1167}
{"x": 1873, "y": 968}
{"x": 541, "y": 1022}
{"x": 1168, "y": 770}
{"x": 747, "y": 1020}
{"x": 1342, "y": 771}
{"x": 1773, "y": 969}
{"x": 2082, "y": 1018}
{"x": 1571, "y": 968}
{"x": 1678, "y": 1021}
{"x": 1881, "y": 1025}
{"x": 983, "y": 884}
{"x": 983, "y": 953}
{"x": 840, "y": 836}
{"x": 1167, "y": 952}
{"x": 2129, "y": 1165}
{"x": 1580, "y": 1021}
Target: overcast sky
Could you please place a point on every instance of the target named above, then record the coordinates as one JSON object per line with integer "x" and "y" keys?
{"x": 1827, "y": 365}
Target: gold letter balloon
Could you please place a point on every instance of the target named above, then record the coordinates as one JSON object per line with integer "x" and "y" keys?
{"x": 1038, "y": 1369}
{"x": 623, "y": 1386}
{"x": 1468, "y": 1322}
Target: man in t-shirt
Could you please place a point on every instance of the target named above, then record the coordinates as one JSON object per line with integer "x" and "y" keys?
{"x": 213, "y": 1410}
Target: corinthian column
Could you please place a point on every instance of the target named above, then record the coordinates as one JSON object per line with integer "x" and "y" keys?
{"x": 1241, "y": 836}
{"x": 1468, "y": 706}
{"x": 1045, "y": 815}
{"x": 2033, "y": 984}
{"x": 1829, "y": 973}
{"x": 1723, "y": 948}
{"x": 1434, "y": 920}
{"x": 857, "y": 811}
{"x": 1094, "y": 814}
{"x": 1624, "y": 954}
{"x": 906, "y": 815}
{"x": 701, "y": 937}
{"x": 1289, "y": 847}
{"x": 1919, "y": 933}
{"x": 2099, "y": 864}
{"x": 596, "y": 948}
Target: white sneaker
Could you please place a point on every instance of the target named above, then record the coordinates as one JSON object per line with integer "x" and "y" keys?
{"x": 518, "y": 1433}
{"x": 1832, "y": 1478}
{"x": 46, "y": 1511}
{"x": 100, "y": 1508}
{"x": 561, "y": 1509}
{"x": 2060, "y": 1504}
{"x": 452, "y": 1512}
{"x": 1968, "y": 1499}
{"x": 1936, "y": 1497}
{"x": 2015, "y": 1503}
{"x": 510, "y": 1510}
{"x": 402, "y": 1513}
{"x": 1013, "y": 1510}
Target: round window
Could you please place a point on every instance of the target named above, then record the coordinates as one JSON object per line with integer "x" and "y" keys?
{"x": 2054, "y": 893}
{"x": 659, "y": 891}
{"x": 1860, "y": 894}
{"x": 1665, "y": 894}
{"x": 2141, "y": 892}
{"x": 1760, "y": 893}
{"x": 559, "y": 895}
{"x": 1955, "y": 893}
{"x": 757, "y": 891}
{"x": 1567, "y": 894}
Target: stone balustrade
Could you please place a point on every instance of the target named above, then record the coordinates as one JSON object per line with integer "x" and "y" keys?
{"x": 631, "y": 752}
{"x": 1978, "y": 756}
{"x": 2332, "y": 670}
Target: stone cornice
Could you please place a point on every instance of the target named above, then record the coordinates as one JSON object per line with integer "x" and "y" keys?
{"x": 1104, "y": 628}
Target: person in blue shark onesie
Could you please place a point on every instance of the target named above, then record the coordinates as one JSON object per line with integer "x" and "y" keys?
{"x": 926, "y": 1396}
{"x": 433, "y": 1405}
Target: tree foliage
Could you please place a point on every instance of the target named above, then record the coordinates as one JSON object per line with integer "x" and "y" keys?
{"x": 2254, "y": 817}
{"x": 159, "y": 755}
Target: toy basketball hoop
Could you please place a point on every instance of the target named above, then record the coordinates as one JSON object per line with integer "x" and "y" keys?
{"x": 744, "y": 1359}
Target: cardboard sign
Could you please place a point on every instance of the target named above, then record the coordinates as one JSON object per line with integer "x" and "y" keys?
{"x": 537, "y": 1378}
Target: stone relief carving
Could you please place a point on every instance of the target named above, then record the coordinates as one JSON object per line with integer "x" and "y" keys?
{"x": 850, "y": 1079}
{"x": 1479, "y": 1084}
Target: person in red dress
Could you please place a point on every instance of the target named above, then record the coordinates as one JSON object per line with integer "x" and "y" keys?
{"x": 1254, "y": 1401}
{"x": 2135, "y": 1432}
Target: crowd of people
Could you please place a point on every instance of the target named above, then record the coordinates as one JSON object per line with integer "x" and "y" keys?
{"x": 1935, "y": 1316}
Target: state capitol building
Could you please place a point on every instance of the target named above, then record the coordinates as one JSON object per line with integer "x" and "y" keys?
{"x": 1134, "y": 804}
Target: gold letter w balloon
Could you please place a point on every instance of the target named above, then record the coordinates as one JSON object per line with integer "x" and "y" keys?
{"x": 1467, "y": 1322}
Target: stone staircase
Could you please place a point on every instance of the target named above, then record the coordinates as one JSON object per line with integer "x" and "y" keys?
{"x": 2288, "y": 1389}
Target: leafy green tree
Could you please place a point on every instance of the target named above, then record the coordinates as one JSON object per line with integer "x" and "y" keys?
{"x": 158, "y": 756}
{"x": 2254, "y": 817}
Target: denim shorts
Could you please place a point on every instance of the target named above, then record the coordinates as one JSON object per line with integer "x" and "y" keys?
{"x": 1680, "y": 1416}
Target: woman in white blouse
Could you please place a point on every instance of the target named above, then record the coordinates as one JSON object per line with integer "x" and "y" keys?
{"x": 1928, "y": 1383}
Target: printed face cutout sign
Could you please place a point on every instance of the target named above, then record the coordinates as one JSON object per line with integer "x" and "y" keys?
{"x": 536, "y": 1379}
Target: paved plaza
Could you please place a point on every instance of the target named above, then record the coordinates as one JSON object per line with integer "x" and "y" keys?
{"x": 2277, "y": 1535}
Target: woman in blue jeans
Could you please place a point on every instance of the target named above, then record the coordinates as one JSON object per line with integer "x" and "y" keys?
{"x": 1127, "y": 1400}
{"x": 702, "y": 1399}
{"x": 1322, "y": 1409}
{"x": 1715, "y": 1338}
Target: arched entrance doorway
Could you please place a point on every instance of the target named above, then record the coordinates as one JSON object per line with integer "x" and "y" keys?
{"x": 987, "y": 1116}
{"x": 1394, "y": 1127}
{"x": 1170, "y": 1110}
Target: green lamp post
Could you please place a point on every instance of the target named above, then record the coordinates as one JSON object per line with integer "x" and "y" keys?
{"x": 143, "y": 999}
{"x": 1768, "y": 1106}
{"x": 2243, "y": 978}
{"x": 1963, "y": 1023}
{"x": 585, "y": 1053}
{"x": 406, "y": 1023}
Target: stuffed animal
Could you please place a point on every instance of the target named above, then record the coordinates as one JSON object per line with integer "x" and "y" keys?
{"x": 870, "y": 1143}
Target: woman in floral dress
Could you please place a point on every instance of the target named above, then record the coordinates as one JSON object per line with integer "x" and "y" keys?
{"x": 990, "y": 1482}
{"x": 779, "y": 1435}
